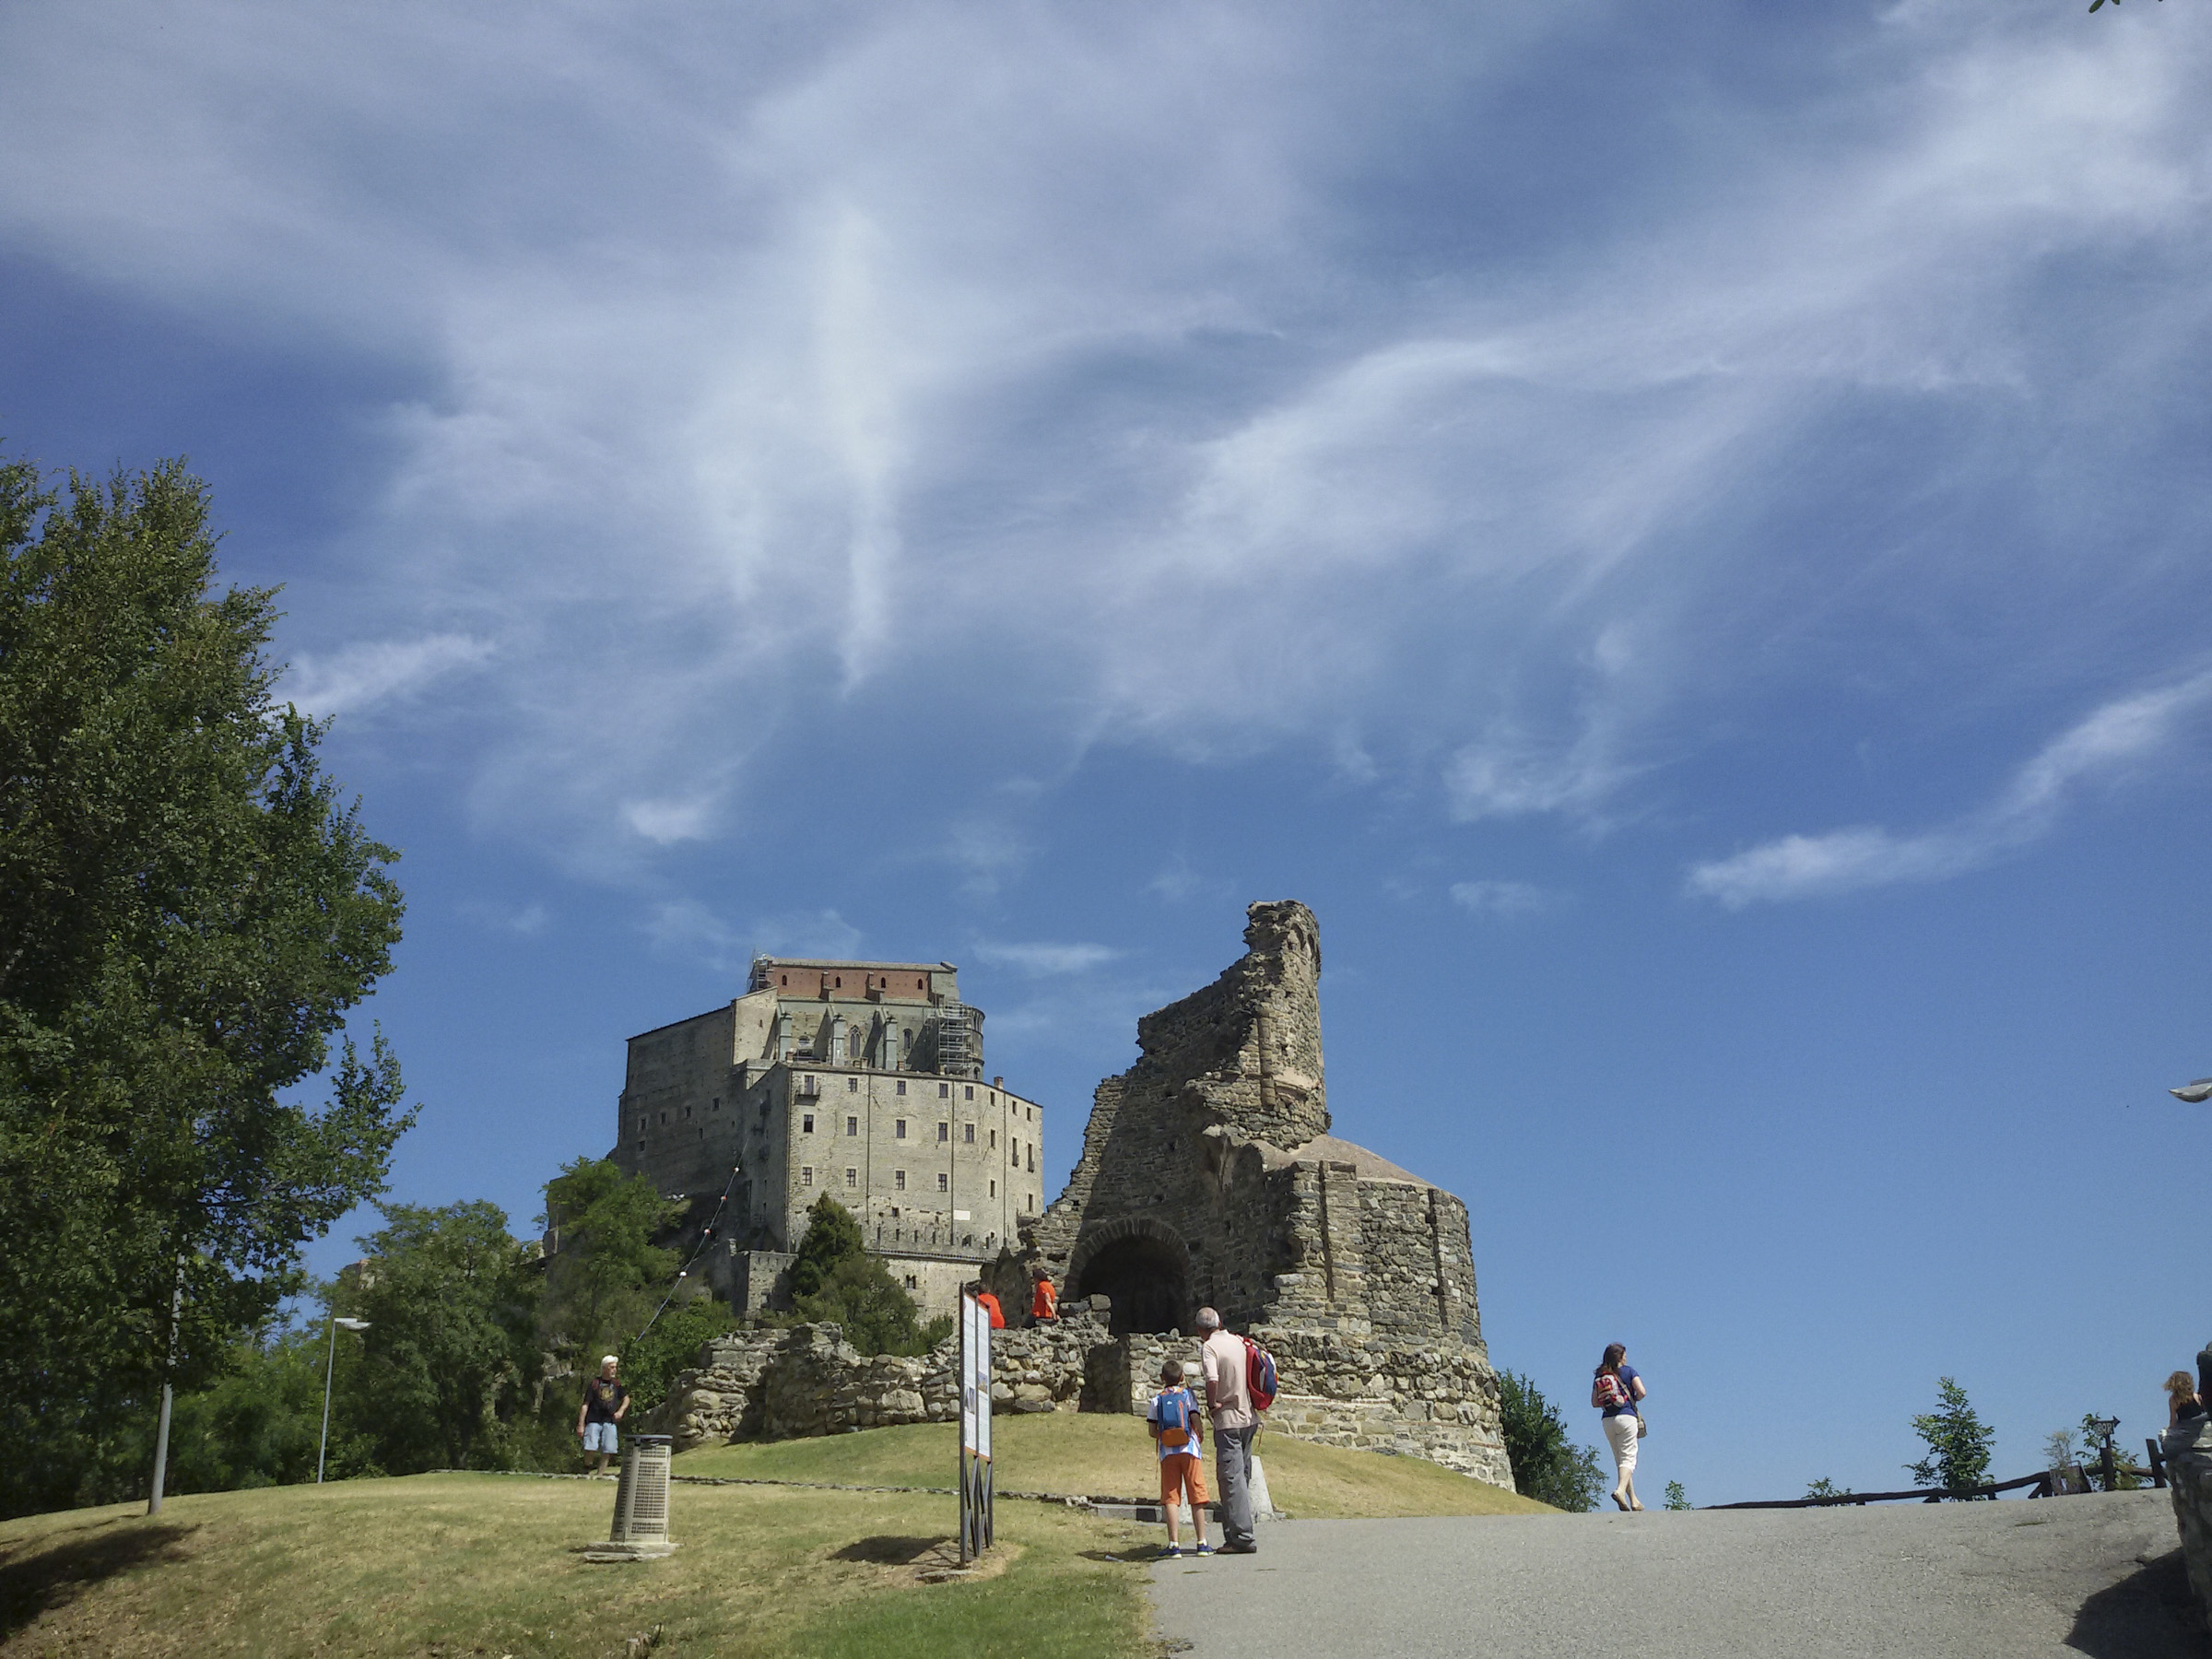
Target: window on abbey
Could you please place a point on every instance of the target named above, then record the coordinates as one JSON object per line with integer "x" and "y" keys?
{"x": 852, "y": 1177}
{"x": 852, "y": 1125}
{"x": 944, "y": 1182}
{"x": 943, "y": 1133}
{"x": 898, "y": 1130}
{"x": 806, "y": 1175}
{"x": 968, "y": 1132}
{"x": 806, "y": 1123}
{"x": 899, "y": 1181}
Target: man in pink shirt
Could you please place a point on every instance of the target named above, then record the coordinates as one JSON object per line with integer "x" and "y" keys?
{"x": 1221, "y": 1358}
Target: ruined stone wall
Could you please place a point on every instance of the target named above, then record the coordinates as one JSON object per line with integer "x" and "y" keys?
{"x": 1208, "y": 1176}
{"x": 1421, "y": 1284}
{"x": 1439, "y": 1402}
{"x": 807, "y": 1380}
{"x": 1434, "y": 1400}
{"x": 1235, "y": 1064}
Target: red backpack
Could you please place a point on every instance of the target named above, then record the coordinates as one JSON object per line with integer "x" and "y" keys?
{"x": 1259, "y": 1375}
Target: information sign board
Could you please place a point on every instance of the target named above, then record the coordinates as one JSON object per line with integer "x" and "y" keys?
{"x": 975, "y": 1484}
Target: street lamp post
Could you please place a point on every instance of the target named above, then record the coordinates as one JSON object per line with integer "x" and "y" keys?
{"x": 2107, "y": 1465}
{"x": 330, "y": 1366}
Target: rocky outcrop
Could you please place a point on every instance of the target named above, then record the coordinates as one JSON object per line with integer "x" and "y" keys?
{"x": 2188, "y": 1451}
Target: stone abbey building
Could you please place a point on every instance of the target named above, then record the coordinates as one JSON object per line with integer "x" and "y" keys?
{"x": 863, "y": 1080}
{"x": 1208, "y": 1176}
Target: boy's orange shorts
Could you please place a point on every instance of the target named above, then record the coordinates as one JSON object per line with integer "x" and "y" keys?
{"x": 1183, "y": 1473}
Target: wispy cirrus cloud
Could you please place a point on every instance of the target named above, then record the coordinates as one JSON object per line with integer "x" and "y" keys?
{"x": 1495, "y": 898}
{"x": 1044, "y": 960}
{"x": 1164, "y": 387}
{"x": 357, "y": 678}
{"x": 2114, "y": 740}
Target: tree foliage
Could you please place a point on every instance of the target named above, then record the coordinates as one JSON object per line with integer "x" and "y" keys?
{"x": 1678, "y": 1497}
{"x": 1547, "y": 1466}
{"x": 836, "y": 1281}
{"x": 449, "y": 1358}
{"x": 606, "y": 1275}
{"x": 187, "y": 911}
{"x": 832, "y": 1236}
{"x": 1825, "y": 1488}
{"x": 1958, "y": 1443}
{"x": 650, "y": 1361}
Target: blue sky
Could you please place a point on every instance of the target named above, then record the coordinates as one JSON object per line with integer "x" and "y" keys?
{"x": 1681, "y": 534}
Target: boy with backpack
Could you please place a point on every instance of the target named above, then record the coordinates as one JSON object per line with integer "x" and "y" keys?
{"x": 1172, "y": 1421}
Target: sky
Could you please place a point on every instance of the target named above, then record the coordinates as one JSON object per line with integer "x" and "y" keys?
{"x": 1681, "y": 533}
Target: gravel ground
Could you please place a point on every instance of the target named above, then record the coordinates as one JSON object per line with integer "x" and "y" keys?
{"x": 2098, "y": 1575}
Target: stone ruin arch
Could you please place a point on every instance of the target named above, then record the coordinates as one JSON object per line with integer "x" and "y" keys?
{"x": 1144, "y": 1267}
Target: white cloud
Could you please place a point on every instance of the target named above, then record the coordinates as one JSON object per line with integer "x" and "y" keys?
{"x": 1493, "y": 898}
{"x": 761, "y": 391}
{"x": 666, "y": 822}
{"x": 1041, "y": 960}
{"x": 2116, "y": 739}
{"x": 360, "y": 676}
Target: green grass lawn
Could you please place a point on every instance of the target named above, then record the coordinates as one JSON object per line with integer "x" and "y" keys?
{"x": 449, "y": 1565}
{"x": 1101, "y": 1455}
{"x": 469, "y": 1564}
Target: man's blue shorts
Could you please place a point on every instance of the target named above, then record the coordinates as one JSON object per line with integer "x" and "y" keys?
{"x": 599, "y": 1437}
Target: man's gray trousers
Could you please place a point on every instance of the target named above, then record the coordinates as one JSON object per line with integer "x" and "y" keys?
{"x": 1232, "y": 1467}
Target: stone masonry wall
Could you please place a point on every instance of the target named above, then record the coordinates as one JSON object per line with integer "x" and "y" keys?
{"x": 2189, "y": 1475}
{"x": 1369, "y": 1394}
{"x": 806, "y": 1380}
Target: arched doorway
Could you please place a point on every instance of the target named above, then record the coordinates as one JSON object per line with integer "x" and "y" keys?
{"x": 1143, "y": 1267}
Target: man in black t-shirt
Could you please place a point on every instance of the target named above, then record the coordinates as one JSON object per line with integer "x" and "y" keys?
{"x": 605, "y": 1402}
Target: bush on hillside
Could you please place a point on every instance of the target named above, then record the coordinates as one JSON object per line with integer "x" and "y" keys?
{"x": 1547, "y": 1466}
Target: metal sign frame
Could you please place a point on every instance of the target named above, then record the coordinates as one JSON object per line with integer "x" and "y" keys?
{"x": 974, "y": 1379}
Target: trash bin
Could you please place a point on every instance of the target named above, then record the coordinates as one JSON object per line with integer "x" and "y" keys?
{"x": 641, "y": 1493}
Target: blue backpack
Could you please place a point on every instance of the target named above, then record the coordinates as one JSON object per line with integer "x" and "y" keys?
{"x": 1172, "y": 1411}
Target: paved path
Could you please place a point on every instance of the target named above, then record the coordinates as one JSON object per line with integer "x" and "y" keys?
{"x": 2066, "y": 1576}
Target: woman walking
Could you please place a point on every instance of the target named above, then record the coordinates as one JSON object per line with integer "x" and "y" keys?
{"x": 1614, "y": 1390}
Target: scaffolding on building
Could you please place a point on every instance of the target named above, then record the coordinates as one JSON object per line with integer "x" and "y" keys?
{"x": 959, "y": 1041}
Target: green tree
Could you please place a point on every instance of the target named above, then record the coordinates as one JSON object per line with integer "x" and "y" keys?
{"x": 447, "y": 1362}
{"x": 187, "y": 911}
{"x": 1825, "y": 1488}
{"x": 650, "y": 1361}
{"x": 1677, "y": 1497}
{"x": 606, "y": 1275}
{"x": 835, "y": 1281}
{"x": 1547, "y": 1466}
{"x": 832, "y": 1236}
{"x": 1958, "y": 1443}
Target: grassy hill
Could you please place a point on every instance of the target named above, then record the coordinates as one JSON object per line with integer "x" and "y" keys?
{"x": 469, "y": 1564}
{"x": 1101, "y": 1455}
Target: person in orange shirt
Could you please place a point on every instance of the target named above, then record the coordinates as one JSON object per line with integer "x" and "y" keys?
{"x": 998, "y": 1316}
{"x": 1044, "y": 1304}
